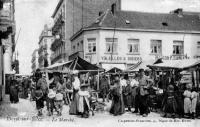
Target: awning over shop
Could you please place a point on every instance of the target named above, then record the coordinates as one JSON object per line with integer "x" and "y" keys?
{"x": 76, "y": 64}
{"x": 114, "y": 70}
{"x": 82, "y": 65}
{"x": 108, "y": 67}
{"x": 139, "y": 65}
{"x": 176, "y": 64}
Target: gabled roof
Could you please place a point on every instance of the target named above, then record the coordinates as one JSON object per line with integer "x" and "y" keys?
{"x": 148, "y": 21}
{"x": 145, "y": 21}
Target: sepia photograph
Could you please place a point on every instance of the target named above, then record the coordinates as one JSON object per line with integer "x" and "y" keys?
{"x": 99, "y": 63}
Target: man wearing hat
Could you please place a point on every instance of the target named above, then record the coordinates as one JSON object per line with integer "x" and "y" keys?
{"x": 142, "y": 94}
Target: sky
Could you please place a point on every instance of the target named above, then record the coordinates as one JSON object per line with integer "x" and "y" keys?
{"x": 32, "y": 15}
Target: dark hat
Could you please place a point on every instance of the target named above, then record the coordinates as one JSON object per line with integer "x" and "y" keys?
{"x": 141, "y": 70}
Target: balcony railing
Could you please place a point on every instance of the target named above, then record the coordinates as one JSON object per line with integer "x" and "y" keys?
{"x": 56, "y": 43}
{"x": 58, "y": 24}
{"x": 74, "y": 55}
{"x": 58, "y": 58}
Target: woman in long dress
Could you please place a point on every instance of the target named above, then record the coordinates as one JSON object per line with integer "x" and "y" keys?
{"x": 117, "y": 107}
{"x": 194, "y": 98}
{"x": 187, "y": 100}
{"x": 74, "y": 104}
{"x": 14, "y": 98}
{"x": 128, "y": 95}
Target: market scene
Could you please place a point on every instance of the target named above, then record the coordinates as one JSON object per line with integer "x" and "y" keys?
{"x": 95, "y": 60}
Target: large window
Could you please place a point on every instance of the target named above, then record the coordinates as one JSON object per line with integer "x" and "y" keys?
{"x": 133, "y": 46}
{"x": 178, "y": 48}
{"x": 111, "y": 45}
{"x": 92, "y": 45}
{"x": 156, "y": 47}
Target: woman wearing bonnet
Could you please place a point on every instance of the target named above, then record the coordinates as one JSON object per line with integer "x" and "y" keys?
{"x": 76, "y": 87}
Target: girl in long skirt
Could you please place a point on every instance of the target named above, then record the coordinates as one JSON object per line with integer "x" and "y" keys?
{"x": 187, "y": 100}
{"x": 170, "y": 104}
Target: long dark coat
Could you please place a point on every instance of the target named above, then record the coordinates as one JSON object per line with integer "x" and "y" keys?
{"x": 14, "y": 92}
{"x": 117, "y": 107}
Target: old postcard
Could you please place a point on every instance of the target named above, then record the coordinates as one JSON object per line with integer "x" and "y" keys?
{"x": 104, "y": 63}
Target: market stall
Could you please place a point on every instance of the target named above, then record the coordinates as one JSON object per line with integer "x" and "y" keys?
{"x": 175, "y": 67}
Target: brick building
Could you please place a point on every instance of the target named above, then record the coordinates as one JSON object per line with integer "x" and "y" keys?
{"x": 69, "y": 17}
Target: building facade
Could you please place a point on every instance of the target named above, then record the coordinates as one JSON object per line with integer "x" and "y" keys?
{"x": 7, "y": 40}
{"x": 34, "y": 61}
{"x": 69, "y": 17}
{"x": 123, "y": 38}
{"x": 44, "y": 51}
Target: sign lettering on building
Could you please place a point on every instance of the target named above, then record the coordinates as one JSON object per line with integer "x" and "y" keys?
{"x": 120, "y": 59}
{"x": 173, "y": 57}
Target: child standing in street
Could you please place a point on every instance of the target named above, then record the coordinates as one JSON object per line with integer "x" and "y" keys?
{"x": 59, "y": 102}
{"x": 39, "y": 100}
{"x": 169, "y": 102}
{"x": 187, "y": 100}
{"x": 51, "y": 97}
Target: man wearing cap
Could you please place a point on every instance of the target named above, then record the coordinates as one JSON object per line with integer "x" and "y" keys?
{"x": 142, "y": 93}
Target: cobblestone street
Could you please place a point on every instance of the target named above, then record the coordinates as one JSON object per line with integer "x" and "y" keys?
{"x": 24, "y": 114}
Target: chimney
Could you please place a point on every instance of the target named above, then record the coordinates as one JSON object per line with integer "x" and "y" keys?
{"x": 178, "y": 11}
{"x": 113, "y": 8}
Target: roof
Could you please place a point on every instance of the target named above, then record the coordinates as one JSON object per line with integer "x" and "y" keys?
{"x": 114, "y": 70}
{"x": 177, "y": 64}
{"x": 76, "y": 64}
{"x": 145, "y": 21}
{"x": 57, "y": 8}
{"x": 139, "y": 65}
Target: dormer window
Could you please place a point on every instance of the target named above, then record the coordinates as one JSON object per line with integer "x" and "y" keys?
{"x": 128, "y": 22}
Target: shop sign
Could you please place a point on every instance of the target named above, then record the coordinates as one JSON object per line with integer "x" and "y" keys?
{"x": 120, "y": 59}
{"x": 173, "y": 57}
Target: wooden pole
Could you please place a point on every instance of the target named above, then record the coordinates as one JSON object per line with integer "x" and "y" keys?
{"x": 98, "y": 81}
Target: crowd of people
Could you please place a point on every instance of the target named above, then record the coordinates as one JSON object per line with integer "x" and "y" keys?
{"x": 139, "y": 92}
